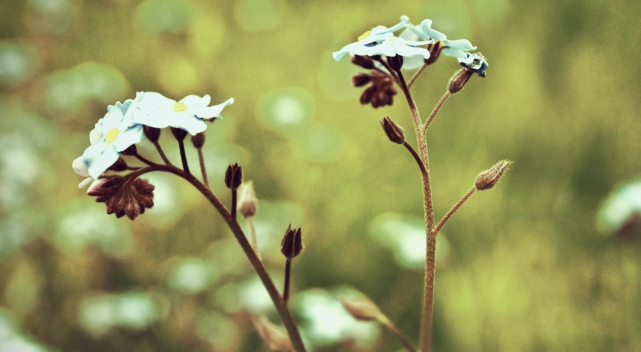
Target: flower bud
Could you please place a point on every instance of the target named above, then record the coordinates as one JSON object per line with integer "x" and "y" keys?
{"x": 291, "y": 244}
{"x": 178, "y": 133}
{"x": 362, "y": 309}
{"x": 363, "y": 61}
{"x": 80, "y": 167}
{"x": 198, "y": 140}
{"x": 233, "y": 176}
{"x": 367, "y": 95}
{"x": 131, "y": 150}
{"x": 459, "y": 80}
{"x": 395, "y": 62}
{"x": 361, "y": 79}
{"x": 488, "y": 179}
{"x": 152, "y": 133}
{"x": 393, "y": 131}
{"x": 119, "y": 165}
{"x": 247, "y": 200}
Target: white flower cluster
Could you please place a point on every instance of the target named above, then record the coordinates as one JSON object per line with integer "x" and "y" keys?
{"x": 122, "y": 127}
{"x": 382, "y": 41}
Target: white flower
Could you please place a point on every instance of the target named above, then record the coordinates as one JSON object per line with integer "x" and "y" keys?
{"x": 113, "y": 133}
{"x": 155, "y": 110}
{"x": 382, "y": 41}
{"x": 455, "y": 48}
{"x": 475, "y": 62}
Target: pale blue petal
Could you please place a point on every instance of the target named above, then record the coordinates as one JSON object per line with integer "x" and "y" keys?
{"x": 191, "y": 124}
{"x": 193, "y": 101}
{"x": 129, "y": 137}
{"x": 459, "y": 44}
{"x": 124, "y": 106}
{"x": 153, "y": 100}
{"x": 103, "y": 162}
{"x": 153, "y": 118}
{"x": 80, "y": 167}
{"x": 453, "y": 53}
{"x": 405, "y": 50}
{"x": 426, "y": 27}
{"x": 412, "y": 62}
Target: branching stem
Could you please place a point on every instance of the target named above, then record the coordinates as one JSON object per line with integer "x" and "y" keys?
{"x": 453, "y": 210}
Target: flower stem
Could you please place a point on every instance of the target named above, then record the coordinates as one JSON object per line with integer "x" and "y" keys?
{"x": 279, "y": 303}
{"x": 398, "y": 333}
{"x": 252, "y": 234}
{"x": 234, "y": 199}
{"x": 416, "y": 157}
{"x": 183, "y": 157}
{"x": 453, "y": 210}
{"x": 393, "y": 73}
{"x": 430, "y": 262}
{"x": 416, "y": 75}
{"x": 145, "y": 160}
{"x": 288, "y": 269}
{"x": 437, "y": 108}
{"x": 162, "y": 153}
{"x": 202, "y": 166}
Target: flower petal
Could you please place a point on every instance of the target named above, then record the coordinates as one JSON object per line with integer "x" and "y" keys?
{"x": 426, "y": 27}
{"x": 189, "y": 123}
{"x": 153, "y": 101}
{"x": 195, "y": 101}
{"x": 99, "y": 157}
{"x": 80, "y": 167}
{"x": 459, "y": 44}
{"x": 129, "y": 137}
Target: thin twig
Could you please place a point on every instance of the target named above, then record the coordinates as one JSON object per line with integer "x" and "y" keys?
{"x": 288, "y": 269}
{"x": 453, "y": 210}
{"x": 393, "y": 73}
{"x": 416, "y": 75}
{"x": 183, "y": 157}
{"x": 234, "y": 199}
{"x": 202, "y": 166}
{"x": 398, "y": 333}
{"x": 252, "y": 234}
{"x": 162, "y": 153}
{"x": 437, "y": 108}
{"x": 416, "y": 157}
{"x": 133, "y": 168}
{"x": 145, "y": 160}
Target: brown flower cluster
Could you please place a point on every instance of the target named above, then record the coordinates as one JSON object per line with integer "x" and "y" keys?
{"x": 123, "y": 196}
{"x": 381, "y": 91}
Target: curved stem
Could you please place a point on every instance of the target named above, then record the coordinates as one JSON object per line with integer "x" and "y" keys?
{"x": 392, "y": 73}
{"x": 279, "y": 303}
{"x": 162, "y": 153}
{"x": 202, "y": 166}
{"x": 430, "y": 261}
{"x": 437, "y": 108}
{"x": 416, "y": 75}
{"x": 234, "y": 199}
{"x": 416, "y": 157}
{"x": 453, "y": 210}
{"x": 183, "y": 157}
{"x": 252, "y": 234}
{"x": 398, "y": 333}
{"x": 145, "y": 160}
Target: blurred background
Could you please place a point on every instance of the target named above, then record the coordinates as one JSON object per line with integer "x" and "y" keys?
{"x": 546, "y": 261}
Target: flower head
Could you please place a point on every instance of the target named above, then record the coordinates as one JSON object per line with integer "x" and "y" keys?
{"x": 122, "y": 195}
{"x": 382, "y": 41}
{"x": 113, "y": 134}
{"x": 189, "y": 114}
{"x": 475, "y": 62}
{"x": 455, "y": 48}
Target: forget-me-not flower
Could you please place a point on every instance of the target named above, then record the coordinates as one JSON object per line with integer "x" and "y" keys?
{"x": 382, "y": 41}
{"x": 113, "y": 133}
{"x": 456, "y": 48}
{"x": 475, "y": 62}
{"x": 189, "y": 114}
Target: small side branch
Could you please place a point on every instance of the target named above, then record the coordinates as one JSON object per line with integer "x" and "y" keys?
{"x": 437, "y": 108}
{"x": 398, "y": 333}
{"x": 416, "y": 75}
{"x": 183, "y": 157}
{"x": 453, "y": 210}
{"x": 162, "y": 153}
{"x": 288, "y": 269}
{"x": 416, "y": 157}
{"x": 202, "y": 166}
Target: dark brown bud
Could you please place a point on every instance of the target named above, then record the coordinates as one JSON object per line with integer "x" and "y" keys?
{"x": 151, "y": 133}
{"x": 122, "y": 195}
{"x": 119, "y": 165}
{"x": 366, "y": 96}
{"x": 233, "y": 176}
{"x": 363, "y": 61}
{"x": 362, "y": 309}
{"x": 361, "y": 79}
{"x": 435, "y": 51}
{"x": 393, "y": 131}
{"x": 459, "y": 80}
{"x": 488, "y": 179}
{"x": 291, "y": 244}
{"x": 247, "y": 200}
{"x": 131, "y": 150}
{"x": 178, "y": 133}
{"x": 395, "y": 62}
{"x": 198, "y": 140}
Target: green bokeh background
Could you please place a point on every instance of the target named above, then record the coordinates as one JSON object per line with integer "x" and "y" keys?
{"x": 523, "y": 267}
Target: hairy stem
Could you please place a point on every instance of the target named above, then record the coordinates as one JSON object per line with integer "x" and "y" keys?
{"x": 437, "y": 108}
{"x": 416, "y": 75}
{"x": 202, "y": 166}
{"x": 398, "y": 333}
{"x": 162, "y": 153}
{"x": 288, "y": 269}
{"x": 416, "y": 157}
{"x": 279, "y": 303}
{"x": 453, "y": 210}
{"x": 430, "y": 262}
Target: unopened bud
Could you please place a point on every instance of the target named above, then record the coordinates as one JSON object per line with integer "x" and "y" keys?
{"x": 393, "y": 131}
{"x": 275, "y": 338}
{"x": 198, "y": 140}
{"x": 395, "y": 62}
{"x": 178, "y": 133}
{"x": 363, "y": 61}
{"x": 488, "y": 179}
{"x": 119, "y": 165}
{"x": 361, "y": 79}
{"x": 233, "y": 176}
{"x": 131, "y": 150}
{"x": 459, "y": 80}
{"x": 361, "y": 309}
{"x": 247, "y": 200}
{"x": 291, "y": 245}
{"x": 151, "y": 133}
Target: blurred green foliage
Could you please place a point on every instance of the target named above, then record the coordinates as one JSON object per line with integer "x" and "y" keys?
{"x": 523, "y": 267}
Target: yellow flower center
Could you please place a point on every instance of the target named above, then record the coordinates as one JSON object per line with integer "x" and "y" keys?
{"x": 365, "y": 35}
{"x": 112, "y": 135}
{"x": 180, "y": 107}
